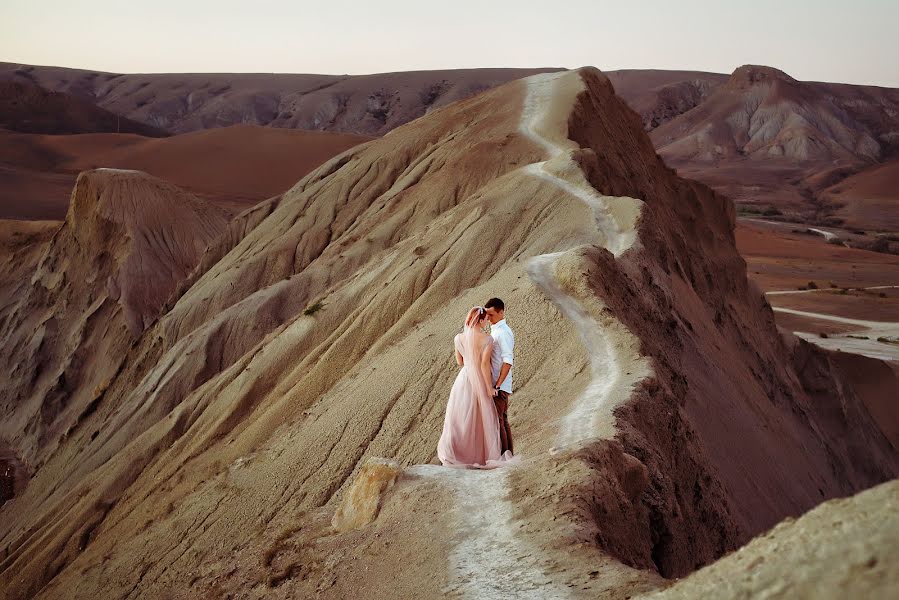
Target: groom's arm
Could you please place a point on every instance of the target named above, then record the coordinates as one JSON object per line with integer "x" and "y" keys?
{"x": 503, "y": 373}
{"x": 505, "y": 348}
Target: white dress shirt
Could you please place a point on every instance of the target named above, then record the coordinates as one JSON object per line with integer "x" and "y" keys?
{"x": 504, "y": 343}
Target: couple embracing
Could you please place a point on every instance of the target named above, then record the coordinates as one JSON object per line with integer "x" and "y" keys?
{"x": 476, "y": 430}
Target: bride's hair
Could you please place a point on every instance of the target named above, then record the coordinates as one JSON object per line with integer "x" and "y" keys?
{"x": 475, "y": 316}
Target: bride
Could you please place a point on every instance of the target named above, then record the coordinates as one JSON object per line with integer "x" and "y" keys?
{"x": 471, "y": 435}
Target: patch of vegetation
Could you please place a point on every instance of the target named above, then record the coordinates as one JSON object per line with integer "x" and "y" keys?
{"x": 314, "y": 308}
{"x": 812, "y": 285}
{"x": 822, "y": 334}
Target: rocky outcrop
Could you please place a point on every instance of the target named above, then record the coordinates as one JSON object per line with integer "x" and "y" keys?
{"x": 841, "y": 549}
{"x": 94, "y": 287}
{"x": 362, "y": 500}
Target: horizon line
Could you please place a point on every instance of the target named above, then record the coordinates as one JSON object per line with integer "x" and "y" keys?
{"x": 368, "y": 74}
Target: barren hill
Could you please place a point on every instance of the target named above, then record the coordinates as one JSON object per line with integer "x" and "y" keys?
{"x": 770, "y": 142}
{"x": 662, "y": 419}
{"x": 659, "y": 96}
{"x": 28, "y": 108}
{"x": 361, "y": 104}
{"x": 98, "y": 283}
{"x": 766, "y": 139}
{"x": 868, "y": 197}
{"x": 234, "y": 167}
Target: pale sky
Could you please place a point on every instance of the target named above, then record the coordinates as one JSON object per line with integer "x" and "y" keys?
{"x": 851, "y": 42}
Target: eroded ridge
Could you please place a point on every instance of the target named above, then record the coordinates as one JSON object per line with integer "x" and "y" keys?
{"x": 616, "y": 219}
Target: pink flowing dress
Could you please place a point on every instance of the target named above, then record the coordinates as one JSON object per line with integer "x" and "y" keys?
{"x": 470, "y": 435}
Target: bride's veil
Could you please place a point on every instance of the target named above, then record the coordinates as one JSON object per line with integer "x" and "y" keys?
{"x": 470, "y": 353}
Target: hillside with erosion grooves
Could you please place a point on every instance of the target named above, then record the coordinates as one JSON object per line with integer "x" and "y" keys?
{"x": 28, "y": 108}
{"x": 233, "y": 167}
{"x": 180, "y": 102}
{"x": 361, "y": 104}
{"x": 272, "y": 432}
{"x": 768, "y": 140}
{"x": 78, "y": 296}
{"x": 844, "y": 548}
{"x": 659, "y": 96}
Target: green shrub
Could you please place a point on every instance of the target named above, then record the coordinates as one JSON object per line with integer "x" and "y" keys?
{"x": 314, "y": 308}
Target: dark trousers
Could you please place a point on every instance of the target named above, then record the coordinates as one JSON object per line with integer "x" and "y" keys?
{"x": 501, "y": 400}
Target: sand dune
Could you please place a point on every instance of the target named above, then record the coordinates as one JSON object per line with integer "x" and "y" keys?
{"x": 199, "y": 441}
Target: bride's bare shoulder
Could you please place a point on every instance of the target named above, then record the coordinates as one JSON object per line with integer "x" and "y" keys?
{"x": 485, "y": 342}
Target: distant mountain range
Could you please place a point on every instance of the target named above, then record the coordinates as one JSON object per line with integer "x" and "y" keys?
{"x": 775, "y": 145}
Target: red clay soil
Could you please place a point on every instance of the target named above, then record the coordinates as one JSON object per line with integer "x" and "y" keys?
{"x": 866, "y": 305}
{"x": 235, "y": 167}
{"x": 778, "y": 259}
{"x": 869, "y": 199}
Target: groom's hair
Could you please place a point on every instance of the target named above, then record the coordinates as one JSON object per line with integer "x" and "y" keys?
{"x": 495, "y": 303}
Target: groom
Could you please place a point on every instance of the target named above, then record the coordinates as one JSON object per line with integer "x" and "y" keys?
{"x": 501, "y": 366}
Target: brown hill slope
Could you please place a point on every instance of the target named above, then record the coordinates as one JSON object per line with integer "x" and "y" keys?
{"x": 762, "y": 112}
{"x": 234, "y": 167}
{"x": 759, "y": 136}
{"x": 99, "y": 281}
{"x": 766, "y": 139}
{"x": 870, "y": 197}
{"x": 28, "y": 108}
{"x": 314, "y": 335}
{"x": 361, "y": 104}
{"x": 842, "y": 549}
{"x": 659, "y": 96}
{"x": 366, "y": 104}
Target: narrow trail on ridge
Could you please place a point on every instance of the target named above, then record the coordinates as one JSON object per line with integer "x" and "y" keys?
{"x": 489, "y": 560}
{"x": 608, "y": 378}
